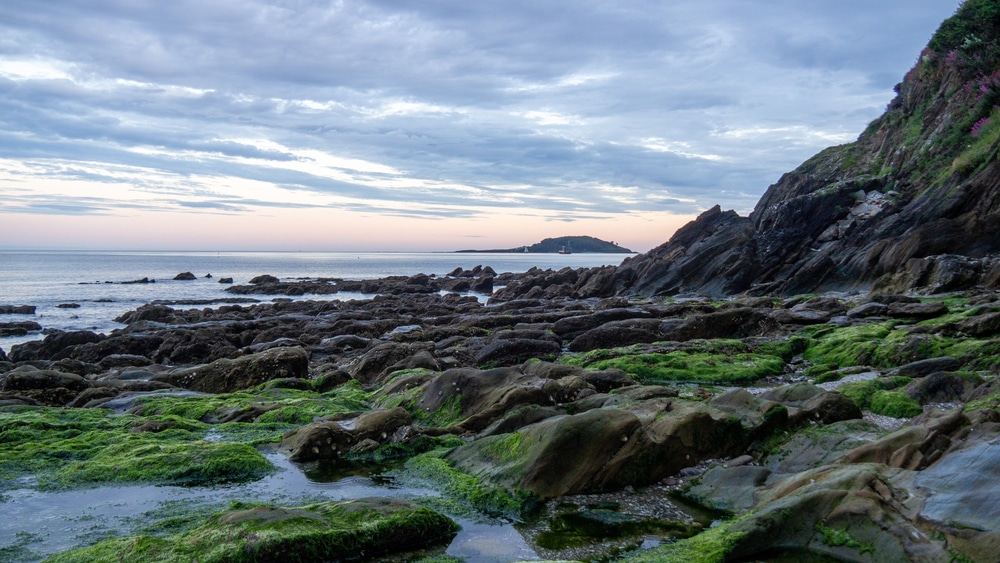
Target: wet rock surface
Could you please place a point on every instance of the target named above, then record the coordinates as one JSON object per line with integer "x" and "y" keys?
{"x": 733, "y": 404}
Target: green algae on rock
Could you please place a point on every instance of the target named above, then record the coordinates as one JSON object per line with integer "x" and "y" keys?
{"x": 259, "y": 404}
{"x": 469, "y": 489}
{"x": 706, "y": 362}
{"x": 74, "y": 447}
{"x": 329, "y": 531}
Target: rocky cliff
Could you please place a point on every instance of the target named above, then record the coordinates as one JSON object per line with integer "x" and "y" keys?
{"x": 913, "y": 204}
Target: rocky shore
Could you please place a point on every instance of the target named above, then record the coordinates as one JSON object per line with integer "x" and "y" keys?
{"x": 815, "y": 382}
{"x": 833, "y": 425}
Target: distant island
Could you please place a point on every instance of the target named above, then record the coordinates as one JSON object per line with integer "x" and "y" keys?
{"x": 565, "y": 245}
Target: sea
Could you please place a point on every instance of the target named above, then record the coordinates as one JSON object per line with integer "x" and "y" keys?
{"x": 93, "y": 279}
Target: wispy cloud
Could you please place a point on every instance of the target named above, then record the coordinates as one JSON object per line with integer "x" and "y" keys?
{"x": 433, "y": 110}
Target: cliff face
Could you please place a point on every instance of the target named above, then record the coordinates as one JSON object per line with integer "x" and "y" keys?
{"x": 913, "y": 204}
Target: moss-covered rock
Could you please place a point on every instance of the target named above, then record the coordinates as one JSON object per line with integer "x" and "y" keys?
{"x": 603, "y": 448}
{"x": 73, "y": 447}
{"x": 706, "y": 362}
{"x": 262, "y": 404}
{"x": 332, "y": 531}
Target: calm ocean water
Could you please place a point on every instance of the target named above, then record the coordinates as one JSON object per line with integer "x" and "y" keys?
{"x": 48, "y": 279}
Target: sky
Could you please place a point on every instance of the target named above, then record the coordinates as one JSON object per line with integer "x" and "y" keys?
{"x": 423, "y": 125}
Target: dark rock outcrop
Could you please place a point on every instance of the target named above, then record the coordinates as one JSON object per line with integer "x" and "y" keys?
{"x": 226, "y": 376}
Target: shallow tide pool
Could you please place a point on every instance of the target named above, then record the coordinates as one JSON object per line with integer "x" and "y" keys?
{"x": 37, "y": 524}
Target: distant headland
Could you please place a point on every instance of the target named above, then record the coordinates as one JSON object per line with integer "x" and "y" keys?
{"x": 565, "y": 245}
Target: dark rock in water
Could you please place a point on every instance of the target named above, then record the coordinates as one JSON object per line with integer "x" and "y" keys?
{"x": 17, "y": 309}
{"x": 158, "y": 313}
{"x": 185, "y": 276}
{"x": 484, "y": 284}
{"x": 264, "y": 279}
{"x": 141, "y": 280}
{"x": 208, "y": 276}
{"x": 225, "y": 280}
{"x": 3, "y": 355}
{"x": 68, "y": 306}
{"x": 227, "y": 376}
{"x": 19, "y": 328}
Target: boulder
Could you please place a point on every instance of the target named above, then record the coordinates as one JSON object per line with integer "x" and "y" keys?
{"x": 264, "y": 279}
{"x": 942, "y": 387}
{"x": 49, "y": 387}
{"x": 157, "y": 313}
{"x": 483, "y": 284}
{"x": 981, "y": 326}
{"x": 185, "y": 276}
{"x": 332, "y": 440}
{"x": 226, "y": 280}
{"x": 921, "y": 368}
{"x": 378, "y": 360}
{"x": 55, "y": 346}
{"x": 866, "y": 310}
{"x": 739, "y": 322}
{"x": 917, "y": 311}
{"x": 809, "y": 403}
{"x": 195, "y": 345}
{"x": 472, "y": 399}
{"x": 761, "y": 415}
{"x": 227, "y": 375}
{"x": 602, "y": 449}
{"x": 510, "y": 351}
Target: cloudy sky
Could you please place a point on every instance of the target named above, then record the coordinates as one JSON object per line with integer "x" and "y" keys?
{"x": 422, "y": 125}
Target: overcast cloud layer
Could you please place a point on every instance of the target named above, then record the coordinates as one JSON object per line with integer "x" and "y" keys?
{"x": 568, "y": 115}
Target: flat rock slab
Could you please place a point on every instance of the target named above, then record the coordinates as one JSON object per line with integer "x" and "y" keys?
{"x": 963, "y": 489}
